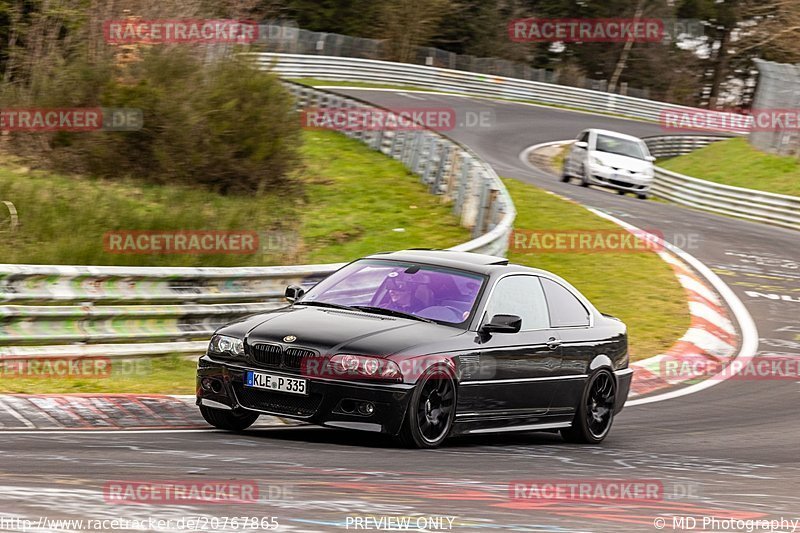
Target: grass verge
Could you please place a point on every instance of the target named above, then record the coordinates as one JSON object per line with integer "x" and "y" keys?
{"x": 173, "y": 374}
{"x": 349, "y": 201}
{"x": 735, "y": 162}
{"x": 638, "y": 288}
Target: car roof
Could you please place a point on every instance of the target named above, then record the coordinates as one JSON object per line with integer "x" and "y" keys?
{"x": 473, "y": 262}
{"x": 616, "y": 134}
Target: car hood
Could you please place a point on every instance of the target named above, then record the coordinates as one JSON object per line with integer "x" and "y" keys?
{"x": 332, "y": 331}
{"x": 622, "y": 161}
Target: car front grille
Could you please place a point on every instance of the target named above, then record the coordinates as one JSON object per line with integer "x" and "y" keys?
{"x": 277, "y": 402}
{"x": 293, "y": 357}
{"x": 267, "y": 354}
{"x": 276, "y": 356}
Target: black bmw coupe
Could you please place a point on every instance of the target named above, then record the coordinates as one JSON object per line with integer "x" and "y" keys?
{"x": 424, "y": 344}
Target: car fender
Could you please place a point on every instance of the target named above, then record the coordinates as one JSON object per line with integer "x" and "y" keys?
{"x": 414, "y": 367}
{"x": 601, "y": 361}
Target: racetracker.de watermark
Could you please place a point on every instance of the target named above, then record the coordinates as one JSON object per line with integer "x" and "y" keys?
{"x": 400, "y": 119}
{"x": 367, "y": 367}
{"x": 76, "y": 119}
{"x": 181, "y": 242}
{"x": 608, "y": 30}
{"x": 771, "y": 367}
{"x": 181, "y": 31}
{"x": 585, "y": 241}
{"x": 181, "y": 492}
{"x": 56, "y": 367}
{"x": 755, "y": 120}
{"x": 587, "y": 490}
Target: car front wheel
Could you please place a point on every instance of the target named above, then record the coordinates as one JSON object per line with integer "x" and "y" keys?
{"x": 228, "y": 420}
{"x": 596, "y": 411}
{"x": 431, "y": 410}
{"x": 564, "y": 174}
{"x": 584, "y": 177}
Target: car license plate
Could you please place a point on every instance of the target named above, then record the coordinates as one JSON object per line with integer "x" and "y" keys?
{"x": 262, "y": 380}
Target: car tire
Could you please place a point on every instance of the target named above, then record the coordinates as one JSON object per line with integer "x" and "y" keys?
{"x": 431, "y": 411}
{"x": 595, "y": 413}
{"x": 228, "y": 420}
{"x": 584, "y": 177}
{"x": 643, "y": 196}
{"x": 565, "y": 177}
{"x": 620, "y": 192}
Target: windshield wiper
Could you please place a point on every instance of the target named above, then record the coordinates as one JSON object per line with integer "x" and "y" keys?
{"x": 391, "y": 312}
{"x": 326, "y": 304}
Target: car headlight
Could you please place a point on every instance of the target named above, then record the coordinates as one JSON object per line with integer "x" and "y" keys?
{"x": 364, "y": 366}
{"x": 224, "y": 345}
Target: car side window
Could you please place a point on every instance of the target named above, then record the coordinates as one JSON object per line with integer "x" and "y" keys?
{"x": 565, "y": 309}
{"x": 584, "y": 137}
{"x": 522, "y": 296}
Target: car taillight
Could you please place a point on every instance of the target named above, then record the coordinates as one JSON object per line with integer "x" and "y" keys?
{"x": 365, "y": 367}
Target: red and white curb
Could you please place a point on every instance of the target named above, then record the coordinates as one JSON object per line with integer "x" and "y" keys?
{"x": 711, "y": 336}
{"x": 105, "y": 412}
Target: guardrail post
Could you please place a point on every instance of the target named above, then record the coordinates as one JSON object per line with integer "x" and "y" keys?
{"x": 421, "y": 155}
{"x": 398, "y": 143}
{"x": 433, "y": 157}
{"x": 483, "y": 189}
{"x": 463, "y": 183}
{"x": 439, "y": 185}
{"x": 412, "y": 150}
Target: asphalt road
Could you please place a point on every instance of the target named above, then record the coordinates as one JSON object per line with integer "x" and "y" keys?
{"x": 730, "y": 451}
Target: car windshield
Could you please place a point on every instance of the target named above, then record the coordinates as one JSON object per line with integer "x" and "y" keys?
{"x": 427, "y": 292}
{"x": 615, "y": 145}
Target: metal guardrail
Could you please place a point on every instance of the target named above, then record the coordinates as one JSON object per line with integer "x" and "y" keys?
{"x": 770, "y": 208}
{"x": 462, "y": 82}
{"x": 126, "y": 311}
{"x": 663, "y": 146}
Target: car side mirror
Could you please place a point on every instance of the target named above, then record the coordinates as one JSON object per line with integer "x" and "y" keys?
{"x": 581, "y": 144}
{"x": 503, "y": 324}
{"x": 294, "y": 292}
{"x": 650, "y": 158}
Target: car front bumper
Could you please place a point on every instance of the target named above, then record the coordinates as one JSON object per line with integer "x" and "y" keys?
{"x": 624, "y": 378}
{"x": 328, "y": 402}
{"x": 620, "y": 180}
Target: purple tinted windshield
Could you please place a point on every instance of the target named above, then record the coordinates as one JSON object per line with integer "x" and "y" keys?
{"x": 435, "y": 293}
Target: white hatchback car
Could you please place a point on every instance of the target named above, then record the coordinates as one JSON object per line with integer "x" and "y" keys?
{"x": 610, "y": 159}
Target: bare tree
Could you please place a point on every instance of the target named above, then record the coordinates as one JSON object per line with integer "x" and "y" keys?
{"x": 407, "y": 24}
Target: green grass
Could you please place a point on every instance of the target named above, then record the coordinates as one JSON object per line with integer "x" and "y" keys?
{"x": 349, "y": 201}
{"x": 361, "y": 198}
{"x": 172, "y": 374}
{"x": 735, "y": 162}
{"x": 638, "y": 288}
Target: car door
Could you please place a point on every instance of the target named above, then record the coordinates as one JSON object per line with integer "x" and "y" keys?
{"x": 520, "y": 386}
{"x": 571, "y": 321}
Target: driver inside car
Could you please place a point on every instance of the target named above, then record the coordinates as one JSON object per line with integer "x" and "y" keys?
{"x": 407, "y": 297}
